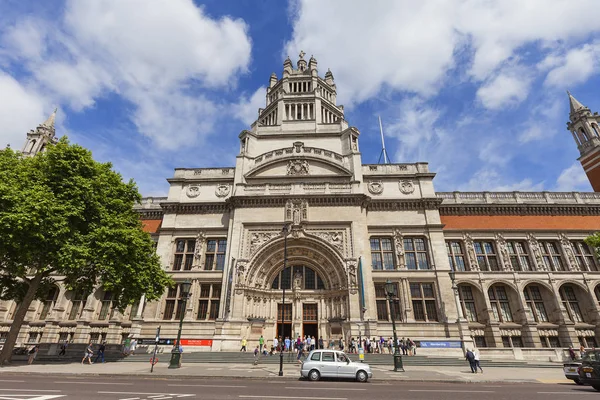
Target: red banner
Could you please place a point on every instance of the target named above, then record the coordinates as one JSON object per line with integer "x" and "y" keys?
{"x": 196, "y": 342}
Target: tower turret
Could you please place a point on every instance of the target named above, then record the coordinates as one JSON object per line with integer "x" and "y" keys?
{"x": 586, "y": 133}
{"x": 301, "y": 62}
{"x": 38, "y": 139}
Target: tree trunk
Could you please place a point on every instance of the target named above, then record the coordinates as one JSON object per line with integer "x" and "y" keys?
{"x": 11, "y": 339}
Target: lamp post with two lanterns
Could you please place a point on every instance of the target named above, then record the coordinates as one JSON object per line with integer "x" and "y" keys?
{"x": 391, "y": 293}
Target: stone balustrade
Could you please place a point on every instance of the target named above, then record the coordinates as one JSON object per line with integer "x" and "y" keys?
{"x": 519, "y": 197}
{"x": 301, "y": 150}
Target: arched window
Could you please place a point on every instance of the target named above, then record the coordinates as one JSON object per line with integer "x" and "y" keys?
{"x": 307, "y": 277}
{"x": 500, "y": 304}
{"x": 584, "y": 134}
{"x": 467, "y": 300}
{"x": 78, "y": 300}
{"x": 596, "y": 130}
{"x": 49, "y": 302}
{"x": 32, "y": 145}
{"x": 536, "y": 311}
{"x": 597, "y": 291}
{"x": 571, "y": 304}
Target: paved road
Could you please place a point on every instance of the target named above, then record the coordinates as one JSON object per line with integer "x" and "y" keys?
{"x": 44, "y": 387}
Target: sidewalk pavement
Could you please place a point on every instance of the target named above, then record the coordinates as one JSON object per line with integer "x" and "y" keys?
{"x": 270, "y": 371}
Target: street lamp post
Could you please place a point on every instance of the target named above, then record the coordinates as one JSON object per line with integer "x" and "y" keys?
{"x": 175, "y": 353}
{"x": 389, "y": 288}
{"x": 285, "y": 232}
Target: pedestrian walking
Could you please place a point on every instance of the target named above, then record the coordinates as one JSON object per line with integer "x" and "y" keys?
{"x": 341, "y": 344}
{"x": 88, "y": 354}
{"x": 261, "y": 343}
{"x": 288, "y": 342}
{"x": 32, "y": 355}
{"x": 572, "y": 355}
{"x": 132, "y": 346}
{"x": 470, "y": 357}
{"x": 244, "y": 343}
{"x": 63, "y": 348}
{"x": 101, "y": 350}
{"x": 476, "y": 360}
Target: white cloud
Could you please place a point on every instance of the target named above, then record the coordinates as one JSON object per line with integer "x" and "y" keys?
{"x": 412, "y": 46}
{"x": 153, "y": 54}
{"x": 490, "y": 179}
{"x": 246, "y": 109}
{"x": 507, "y": 89}
{"x": 20, "y": 111}
{"x": 574, "y": 66}
{"x": 573, "y": 178}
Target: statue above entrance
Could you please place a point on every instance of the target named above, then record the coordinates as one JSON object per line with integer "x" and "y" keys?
{"x": 296, "y": 211}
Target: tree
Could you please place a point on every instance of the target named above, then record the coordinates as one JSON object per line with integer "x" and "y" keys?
{"x": 594, "y": 242}
{"x": 66, "y": 217}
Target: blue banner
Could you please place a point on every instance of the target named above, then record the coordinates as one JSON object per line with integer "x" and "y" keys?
{"x": 441, "y": 345}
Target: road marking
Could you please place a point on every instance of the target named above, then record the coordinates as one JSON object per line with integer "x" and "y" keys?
{"x": 32, "y": 390}
{"x": 211, "y": 386}
{"x": 42, "y": 397}
{"x": 288, "y": 397}
{"x": 11, "y": 380}
{"x": 94, "y": 383}
{"x": 213, "y": 369}
{"x": 572, "y": 393}
{"x": 453, "y": 391}
{"x": 320, "y": 388}
{"x": 154, "y": 393}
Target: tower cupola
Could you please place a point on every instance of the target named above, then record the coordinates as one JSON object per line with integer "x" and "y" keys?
{"x": 301, "y": 62}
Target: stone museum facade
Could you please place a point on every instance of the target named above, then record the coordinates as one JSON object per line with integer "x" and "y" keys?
{"x": 524, "y": 285}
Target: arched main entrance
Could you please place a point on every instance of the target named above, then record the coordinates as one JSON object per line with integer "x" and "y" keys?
{"x": 316, "y": 288}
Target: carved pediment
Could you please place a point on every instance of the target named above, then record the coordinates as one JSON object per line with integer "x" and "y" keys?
{"x": 292, "y": 167}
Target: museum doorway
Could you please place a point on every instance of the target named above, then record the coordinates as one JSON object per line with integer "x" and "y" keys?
{"x": 284, "y": 330}
{"x": 310, "y": 326}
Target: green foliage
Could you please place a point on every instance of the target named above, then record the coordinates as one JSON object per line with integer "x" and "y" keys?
{"x": 65, "y": 216}
{"x": 594, "y": 242}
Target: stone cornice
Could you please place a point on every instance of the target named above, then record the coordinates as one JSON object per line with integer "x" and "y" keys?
{"x": 150, "y": 214}
{"x": 404, "y": 204}
{"x": 195, "y": 208}
{"x": 313, "y": 200}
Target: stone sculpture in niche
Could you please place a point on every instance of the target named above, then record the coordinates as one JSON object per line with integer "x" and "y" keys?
{"x": 297, "y": 281}
{"x": 296, "y": 211}
{"x": 399, "y": 244}
{"x": 222, "y": 190}
{"x": 193, "y": 191}
{"x": 375, "y": 187}
{"x": 297, "y": 167}
{"x": 406, "y": 187}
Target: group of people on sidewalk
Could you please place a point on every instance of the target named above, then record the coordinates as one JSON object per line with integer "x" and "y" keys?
{"x": 582, "y": 351}
{"x": 472, "y": 357}
{"x": 89, "y": 353}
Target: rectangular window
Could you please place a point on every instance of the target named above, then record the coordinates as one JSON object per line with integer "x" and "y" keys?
{"x": 584, "y": 255}
{"x": 480, "y": 341}
{"x": 287, "y": 312}
{"x": 383, "y": 307}
{"x": 423, "y": 301}
{"x": 500, "y": 304}
{"x": 171, "y": 301}
{"x": 78, "y": 300}
{"x": 570, "y": 303}
{"x": 184, "y": 254}
{"x": 208, "y": 303}
{"x": 519, "y": 257}
{"x": 486, "y": 256}
{"x": 382, "y": 253}
{"x": 551, "y": 256}
{"x": 215, "y": 254}
{"x": 456, "y": 255}
{"x": 105, "y": 306}
{"x": 415, "y": 253}
{"x": 309, "y": 312}
{"x": 535, "y": 304}
{"x": 468, "y": 303}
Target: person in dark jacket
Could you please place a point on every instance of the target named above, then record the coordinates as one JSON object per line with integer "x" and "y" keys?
{"x": 101, "y": 352}
{"x": 471, "y": 359}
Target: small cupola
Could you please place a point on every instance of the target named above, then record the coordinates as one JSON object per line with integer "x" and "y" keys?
{"x": 301, "y": 62}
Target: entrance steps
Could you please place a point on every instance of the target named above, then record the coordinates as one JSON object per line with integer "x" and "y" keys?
{"x": 372, "y": 359}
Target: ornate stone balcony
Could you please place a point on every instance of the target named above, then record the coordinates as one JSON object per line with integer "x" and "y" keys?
{"x": 519, "y": 197}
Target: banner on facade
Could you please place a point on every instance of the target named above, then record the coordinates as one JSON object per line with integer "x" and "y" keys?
{"x": 184, "y": 342}
{"x": 440, "y": 345}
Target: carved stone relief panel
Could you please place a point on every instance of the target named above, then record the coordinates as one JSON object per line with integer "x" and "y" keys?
{"x": 222, "y": 190}
{"x": 534, "y": 245}
{"x": 296, "y": 211}
{"x": 406, "y": 187}
{"x": 256, "y": 239}
{"x": 565, "y": 243}
{"x": 375, "y": 187}
{"x": 503, "y": 252}
{"x": 297, "y": 167}
{"x": 335, "y": 238}
{"x": 470, "y": 250}
{"x": 192, "y": 191}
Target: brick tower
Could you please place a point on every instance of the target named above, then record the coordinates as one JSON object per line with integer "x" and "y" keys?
{"x": 584, "y": 127}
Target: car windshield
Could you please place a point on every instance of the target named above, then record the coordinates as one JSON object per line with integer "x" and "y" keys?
{"x": 591, "y": 356}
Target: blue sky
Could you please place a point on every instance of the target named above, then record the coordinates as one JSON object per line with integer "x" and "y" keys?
{"x": 474, "y": 87}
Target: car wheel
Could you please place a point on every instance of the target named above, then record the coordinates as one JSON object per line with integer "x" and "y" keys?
{"x": 314, "y": 375}
{"x": 597, "y": 387}
{"x": 362, "y": 376}
{"x": 578, "y": 381}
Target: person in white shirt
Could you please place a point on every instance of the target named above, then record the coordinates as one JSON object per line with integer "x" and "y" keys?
{"x": 477, "y": 356}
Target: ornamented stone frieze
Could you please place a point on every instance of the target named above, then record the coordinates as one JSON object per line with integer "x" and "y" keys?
{"x": 297, "y": 167}
{"x": 333, "y": 238}
{"x": 222, "y": 190}
{"x": 192, "y": 191}
{"x": 406, "y": 187}
{"x": 375, "y": 187}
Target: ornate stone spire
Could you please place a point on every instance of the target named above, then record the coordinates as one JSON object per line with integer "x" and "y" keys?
{"x": 49, "y": 123}
{"x": 575, "y": 104}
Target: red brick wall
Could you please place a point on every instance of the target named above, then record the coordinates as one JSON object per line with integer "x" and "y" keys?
{"x": 518, "y": 222}
{"x": 151, "y": 225}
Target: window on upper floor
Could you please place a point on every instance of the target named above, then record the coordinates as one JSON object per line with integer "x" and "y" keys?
{"x": 519, "y": 256}
{"x": 184, "y": 254}
{"x": 209, "y": 301}
{"x": 500, "y": 304}
{"x": 551, "y": 256}
{"x": 382, "y": 253}
{"x": 105, "y": 306}
{"x": 570, "y": 303}
{"x": 173, "y": 303}
{"x": 308, "y": 278}
{"x": 467, "y": 300}
{"x": 423, "y": 301}
{"x": 48, "y": 303}
{"x": 78, "y": 300}
{"x": 215, "y": 254}
{"x": 415, "y": 253}
{"x": 456, "y": 255}
{"x": 486, "y": 256}
{"x": 584, "y": 255}
{"x": 597, "y": 291}
{"x": 383, "y": 307}
{"x": 536, "y": 311}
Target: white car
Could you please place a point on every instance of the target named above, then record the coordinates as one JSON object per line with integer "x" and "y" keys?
{"x": 333, "y": 364}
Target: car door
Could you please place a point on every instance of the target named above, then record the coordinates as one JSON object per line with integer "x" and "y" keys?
{"x": 328, "y": 365}
{"x": 344, "y": 369}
